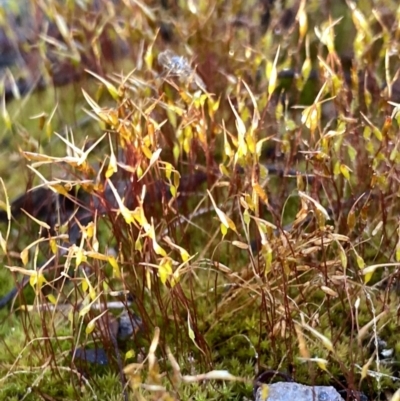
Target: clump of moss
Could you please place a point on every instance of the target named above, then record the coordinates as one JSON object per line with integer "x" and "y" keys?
{"x": 240, "y": 185}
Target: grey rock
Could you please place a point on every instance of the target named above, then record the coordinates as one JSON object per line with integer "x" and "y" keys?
{"x": 129, "y": 324}
{"x": 96, "y": 356}
{"x": 283, "y": 391}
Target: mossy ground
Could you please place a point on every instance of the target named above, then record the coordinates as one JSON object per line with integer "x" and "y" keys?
{"x": 306, "y": 304}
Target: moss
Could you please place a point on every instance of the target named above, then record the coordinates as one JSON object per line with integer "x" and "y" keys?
{"x": 225, "y": 308}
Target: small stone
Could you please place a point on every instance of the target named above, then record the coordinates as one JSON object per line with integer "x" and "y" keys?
{"x": 96, "y": 356}
{"x": 129, "y": 324}
{"x": 283, "y": 391}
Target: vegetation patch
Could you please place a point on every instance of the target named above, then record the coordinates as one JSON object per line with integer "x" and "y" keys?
{"x": 194, "y": 193}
